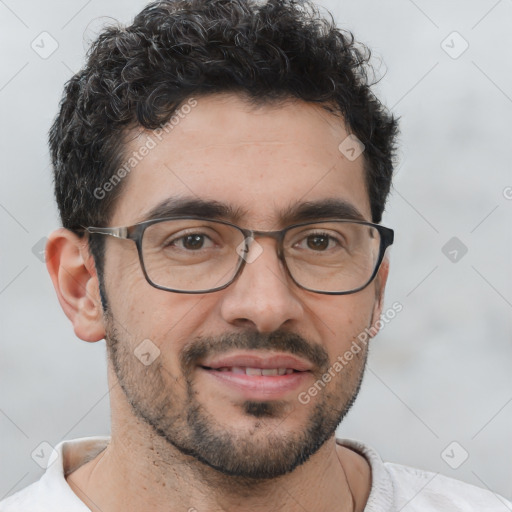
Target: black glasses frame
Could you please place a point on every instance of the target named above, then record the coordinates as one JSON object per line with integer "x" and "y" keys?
{"x": 135, "y": 233}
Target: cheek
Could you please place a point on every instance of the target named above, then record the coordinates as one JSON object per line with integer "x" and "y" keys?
{"x": 340, "y": 319}
{"x": 146, "y": 316}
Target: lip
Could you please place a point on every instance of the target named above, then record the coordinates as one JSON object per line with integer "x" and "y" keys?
{"x": 263, "y": 360}
{"x": 258, "y": 387}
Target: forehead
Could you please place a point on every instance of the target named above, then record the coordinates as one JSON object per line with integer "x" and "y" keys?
{"x": 259, "y": 162}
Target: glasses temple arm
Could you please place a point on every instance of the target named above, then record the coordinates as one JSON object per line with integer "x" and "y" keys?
{"x": 116, "y": 232}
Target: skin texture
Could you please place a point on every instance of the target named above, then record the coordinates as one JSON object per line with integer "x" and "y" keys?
{"x": 261, "y": 162}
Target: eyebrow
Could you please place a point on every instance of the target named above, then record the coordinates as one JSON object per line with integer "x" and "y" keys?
{"x": 184, "y": 206}
{"x": 300, "y": 212}
{"x": 323, "y": 209}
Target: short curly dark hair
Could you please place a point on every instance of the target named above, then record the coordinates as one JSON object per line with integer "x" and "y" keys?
{"x": 138, "y": 76}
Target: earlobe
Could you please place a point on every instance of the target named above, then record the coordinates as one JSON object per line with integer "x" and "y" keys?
{"x": 72, "y": 270}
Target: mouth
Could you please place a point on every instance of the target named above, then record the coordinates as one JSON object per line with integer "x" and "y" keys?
{"x": 256, "y": 362}
{"x": 264, "y": 372}
{"x": 258, "y": 376}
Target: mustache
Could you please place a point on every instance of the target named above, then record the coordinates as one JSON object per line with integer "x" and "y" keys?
{"x": 282, "y": 341}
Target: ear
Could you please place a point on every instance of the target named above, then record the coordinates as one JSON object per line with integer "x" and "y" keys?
{"x": 380, "y": 286}
{"x": 73, "y": 273}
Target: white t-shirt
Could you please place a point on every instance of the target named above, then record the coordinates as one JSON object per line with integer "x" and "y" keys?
{"x": 394, "y": 487}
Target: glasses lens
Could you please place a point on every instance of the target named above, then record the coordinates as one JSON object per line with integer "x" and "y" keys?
{"x": 191, "y": 255}
{"x": 194, "y": 255}
{"x": 332, "y": 256}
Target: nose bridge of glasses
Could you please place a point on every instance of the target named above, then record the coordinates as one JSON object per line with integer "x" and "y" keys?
{"x": 251, "y": 237}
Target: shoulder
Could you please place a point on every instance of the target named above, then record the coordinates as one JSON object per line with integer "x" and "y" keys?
{"x": 419, "y": 490}
{"x": 398, "y": 487}
{"x": 28, "y": 499}
{"x": 51, "y": 493}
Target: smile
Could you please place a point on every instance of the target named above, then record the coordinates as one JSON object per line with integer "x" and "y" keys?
{"x": 267, "y": 372}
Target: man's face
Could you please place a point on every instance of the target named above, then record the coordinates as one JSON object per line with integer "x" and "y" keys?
{"x": 260, "y": 164}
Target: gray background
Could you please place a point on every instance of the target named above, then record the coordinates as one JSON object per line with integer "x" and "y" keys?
{"x": 439, "y": 372}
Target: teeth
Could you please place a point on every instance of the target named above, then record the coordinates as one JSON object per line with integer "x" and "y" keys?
{"x": 256, "y": 371}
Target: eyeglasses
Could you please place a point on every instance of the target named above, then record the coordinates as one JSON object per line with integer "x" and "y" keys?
{"x": 197, "y": 255}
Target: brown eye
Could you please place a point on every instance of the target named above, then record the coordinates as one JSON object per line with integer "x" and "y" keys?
{"x": 318, "y": 242}
{"x": 193, "y": 242}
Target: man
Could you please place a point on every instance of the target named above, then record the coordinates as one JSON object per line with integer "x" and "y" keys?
{"x": 221, "y": 168}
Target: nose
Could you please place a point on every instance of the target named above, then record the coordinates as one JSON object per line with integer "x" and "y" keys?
{"x": 263, "y": 297}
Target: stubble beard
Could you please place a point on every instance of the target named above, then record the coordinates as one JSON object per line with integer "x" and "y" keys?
{"x": 170, "y": 406}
